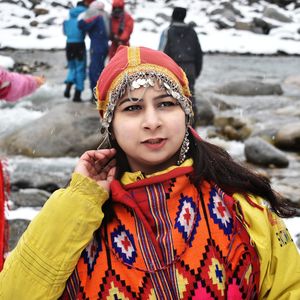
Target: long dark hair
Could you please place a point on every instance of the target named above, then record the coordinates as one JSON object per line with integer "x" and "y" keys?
{"x": 214, "y": 164}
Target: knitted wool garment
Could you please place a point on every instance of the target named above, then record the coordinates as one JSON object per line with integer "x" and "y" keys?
{"x": 168, "y": 240}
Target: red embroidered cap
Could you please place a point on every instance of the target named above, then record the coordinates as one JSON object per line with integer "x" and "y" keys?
{"x": 134, "y": 61}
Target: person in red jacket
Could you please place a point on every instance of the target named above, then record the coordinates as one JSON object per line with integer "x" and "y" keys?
{"x": 121, "y": 24}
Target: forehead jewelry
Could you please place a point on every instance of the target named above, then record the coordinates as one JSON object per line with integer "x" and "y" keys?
{"x": 146, "y": 79}
{"x": 138, "y": 83}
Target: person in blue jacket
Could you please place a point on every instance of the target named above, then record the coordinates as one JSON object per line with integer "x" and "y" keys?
{"x": 94, "y": 22}
{"x": 75, "y": 52}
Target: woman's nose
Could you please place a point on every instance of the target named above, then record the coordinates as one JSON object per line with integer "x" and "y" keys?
{"x": 152, "y": 118}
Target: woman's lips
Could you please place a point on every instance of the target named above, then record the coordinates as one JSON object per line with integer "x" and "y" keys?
{"x": 156, "y": 143}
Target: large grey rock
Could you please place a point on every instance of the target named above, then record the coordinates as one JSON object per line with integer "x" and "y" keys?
{"x": 260, "y": 152}
{"x": 275, "y": 13}
{"x": 66, "y": 130}
{"x": 42, "y": 173}
{"x": 263, "y": 24}
{"x": 205, "y": 113}
{"x": 221, "y": 104}
{"x": 29, "y": 197}
{"x": 250, "y": 88}
{"x": 288, "y": 137}
{"x": 16, "y": 229}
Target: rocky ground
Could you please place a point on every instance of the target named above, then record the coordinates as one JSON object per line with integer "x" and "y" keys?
{"x": 245, "y": 102}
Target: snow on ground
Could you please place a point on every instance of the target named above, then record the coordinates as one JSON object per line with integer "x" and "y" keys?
{"x": 16, "y": 31}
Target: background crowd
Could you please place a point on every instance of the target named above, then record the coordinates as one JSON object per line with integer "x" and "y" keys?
{"x": 106, "y": 33}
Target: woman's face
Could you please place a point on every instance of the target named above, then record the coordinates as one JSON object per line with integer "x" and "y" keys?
{"x": 149, "y": 131}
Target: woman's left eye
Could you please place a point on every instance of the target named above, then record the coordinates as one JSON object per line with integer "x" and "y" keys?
{"x": 167, "y": 104}
{"x": 132, "y": 108}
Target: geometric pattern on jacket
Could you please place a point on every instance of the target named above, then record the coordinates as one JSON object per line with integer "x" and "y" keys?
{"x": 168, "y": 240}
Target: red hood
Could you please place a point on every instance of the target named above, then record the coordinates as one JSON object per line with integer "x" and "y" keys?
{"x": 118, "y": 3}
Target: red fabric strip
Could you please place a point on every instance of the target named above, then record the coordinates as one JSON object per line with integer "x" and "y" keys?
{"x": 4, "y": 191}
{"x": 160, "y": 178}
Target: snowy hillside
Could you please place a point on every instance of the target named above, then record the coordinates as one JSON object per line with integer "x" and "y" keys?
{"x": 222, "y": 26}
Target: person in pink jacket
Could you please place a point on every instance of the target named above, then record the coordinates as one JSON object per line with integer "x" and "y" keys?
{"x": 14, "y": 86}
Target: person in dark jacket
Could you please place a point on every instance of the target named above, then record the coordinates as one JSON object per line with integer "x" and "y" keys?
{"x": 75, "y": 52}
{"x": 180, "y": 42}
{"x": 94, "y": 21}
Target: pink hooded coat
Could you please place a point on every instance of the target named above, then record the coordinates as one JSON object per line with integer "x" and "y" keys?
{"x": 14, "y": 86}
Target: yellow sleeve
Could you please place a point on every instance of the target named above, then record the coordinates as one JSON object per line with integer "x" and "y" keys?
{"x": 278, "y": 255}
{"x": 49, "y": 249}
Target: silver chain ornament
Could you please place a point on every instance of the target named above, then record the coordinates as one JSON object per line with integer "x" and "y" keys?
{"x": 184, "y": 148}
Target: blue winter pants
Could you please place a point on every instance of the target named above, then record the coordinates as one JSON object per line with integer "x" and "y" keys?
{"x": 97, "y": 61}
{"x": 76, "y": 57}
{"x": 76, "y": 73}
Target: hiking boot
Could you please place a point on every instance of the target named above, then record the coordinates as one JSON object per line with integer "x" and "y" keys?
{"x": 77, "y": 96}
{"x": 93, "y": 99}
{"x": 67, "y": 90}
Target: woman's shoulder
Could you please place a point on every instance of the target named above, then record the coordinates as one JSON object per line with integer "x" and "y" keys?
{"x": 262, "y": 222}
{"x": 253, "y": 201}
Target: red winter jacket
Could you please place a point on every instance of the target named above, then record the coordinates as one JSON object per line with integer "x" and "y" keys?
{"x": 121, "y": 28}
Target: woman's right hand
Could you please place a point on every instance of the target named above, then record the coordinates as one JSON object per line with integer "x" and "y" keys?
{"x": 98, "y": 165}
{"x": 40, "y": 80}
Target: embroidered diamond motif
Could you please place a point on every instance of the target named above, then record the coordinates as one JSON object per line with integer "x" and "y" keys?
{"x": 91, "y": 253}
{"x": 217, "y": 275}
{"x": 212, "y": 271}
{"x": 123, "y": 244}
{"x": 186, "y": 215}
{"x": 219, "y": 212}
{"x": 182, "y": 283}
{"x": 115, "y": 293}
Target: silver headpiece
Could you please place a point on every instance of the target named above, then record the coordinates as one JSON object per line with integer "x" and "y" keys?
{"x": 146, "y": 79}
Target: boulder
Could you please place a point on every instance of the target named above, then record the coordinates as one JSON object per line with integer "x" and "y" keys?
{"x": 66, "y": 130}
{"x": 220, "y": 104}
{"x": 260, "y": 152}
{"x": 29, "y": 197}
{"x": 288, "y": 137}
{"x": 232, "y": 128}
{"x": 40, "y": 11}
{"x": 250, "y": 88}
{"x": 16, "y": 229}
{"x": 277, "y": 14}
{"x": 46, "y": 174}
{"x": 205, "y": 113}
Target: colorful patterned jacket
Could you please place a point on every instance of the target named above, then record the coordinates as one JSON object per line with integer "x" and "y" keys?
{"x": 42, "y": 263}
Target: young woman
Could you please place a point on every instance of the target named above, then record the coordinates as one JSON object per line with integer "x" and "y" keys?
{"x": 156, "y": 212}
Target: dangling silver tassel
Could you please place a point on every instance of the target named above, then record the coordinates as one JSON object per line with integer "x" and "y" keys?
{"x": 184, "y": 148}
{"x": 104, "y": 139}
